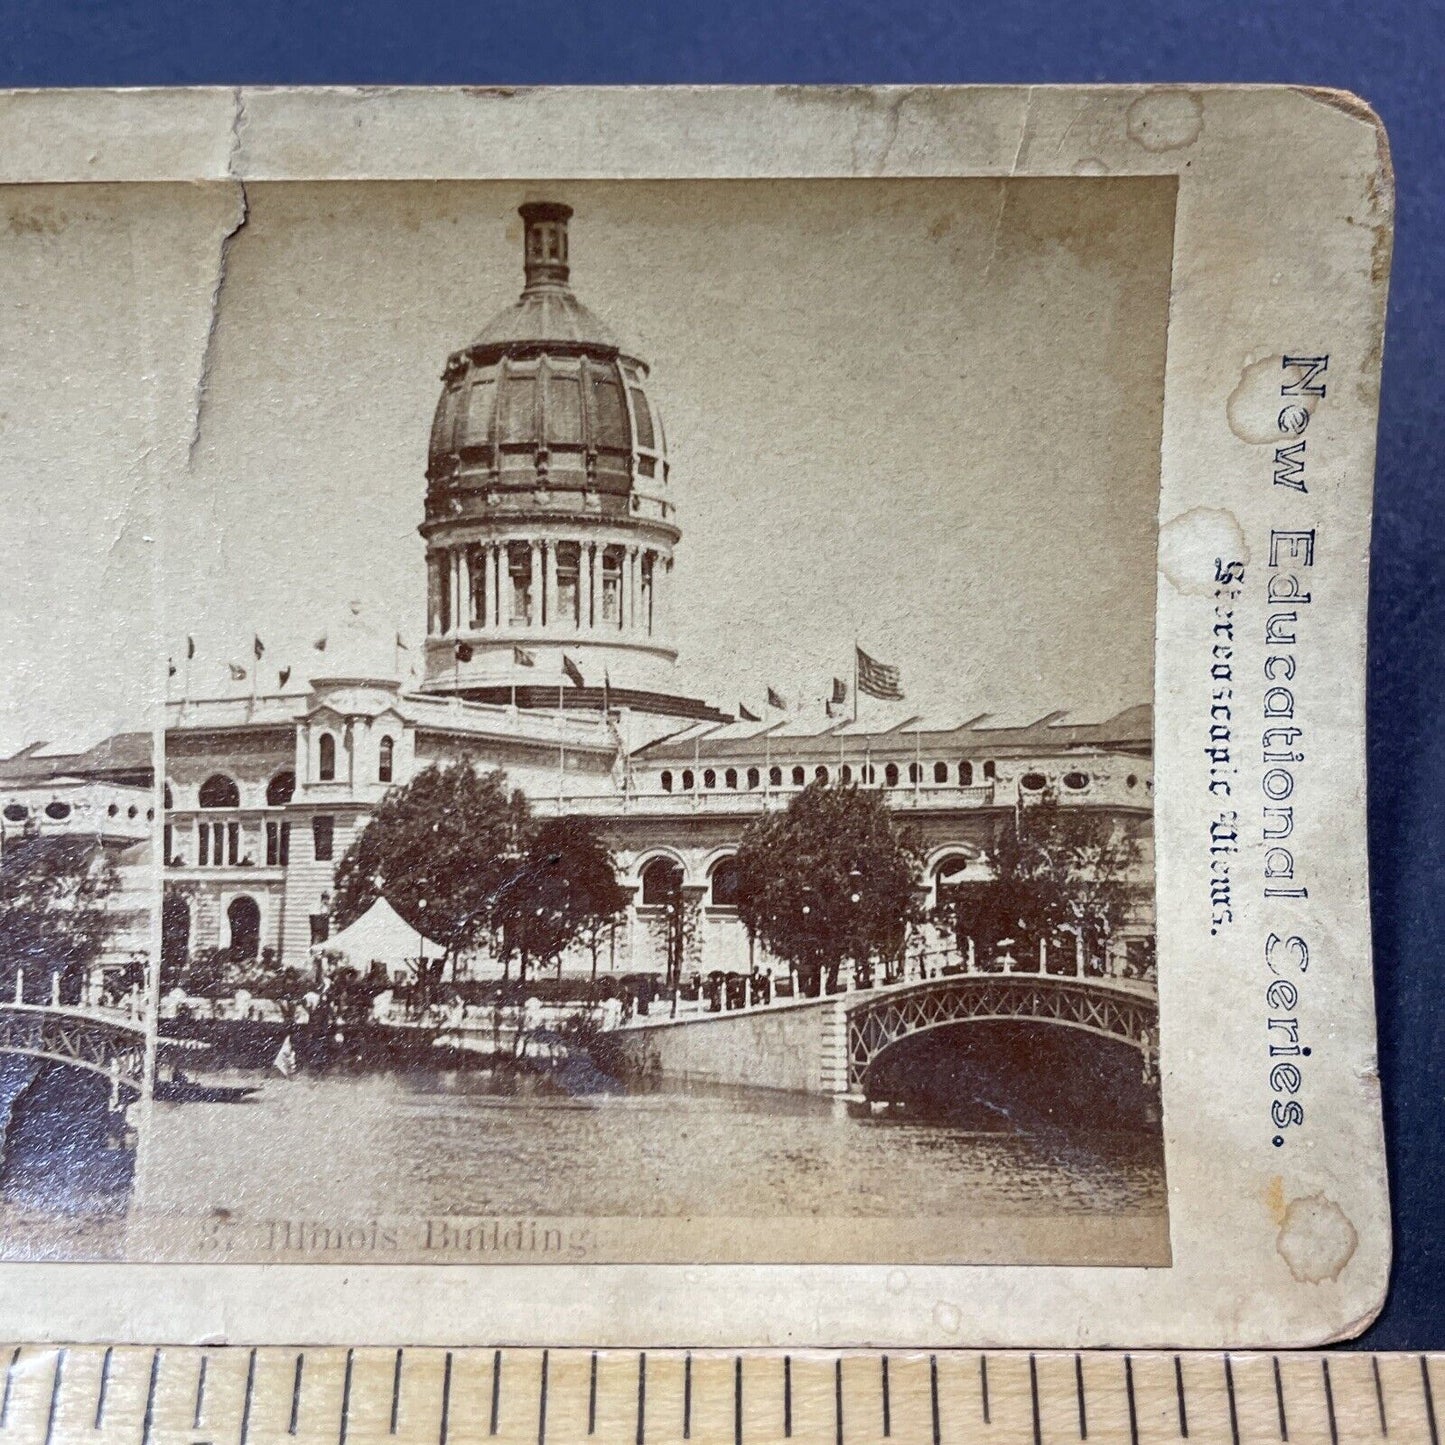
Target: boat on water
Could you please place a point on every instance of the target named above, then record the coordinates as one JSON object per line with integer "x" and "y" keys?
{"x": 188, "y": 1091}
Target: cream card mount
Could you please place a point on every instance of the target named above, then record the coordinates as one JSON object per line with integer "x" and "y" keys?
{"x": 702, "y": 716}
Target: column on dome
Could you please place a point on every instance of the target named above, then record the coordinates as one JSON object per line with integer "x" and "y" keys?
{"x": 479, "y": 586}
{"x": 595, "y": 614}
{"x": 433, "y": 594}
{"x": 632, "y": 590}
{"x": 534, "y": 612}
{"x": 464, "y": 589}
{"x": 549, "y": 566}
{"x": 499, "y": 582}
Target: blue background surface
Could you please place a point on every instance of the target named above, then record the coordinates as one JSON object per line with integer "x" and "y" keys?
{"x": 1393, "y": 54}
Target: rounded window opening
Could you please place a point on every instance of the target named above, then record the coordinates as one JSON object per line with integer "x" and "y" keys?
{"x": 775, "y": 777}
{"x": 244, "y": 916}
{"x": 940, "y": 772}
{"x": 724, "y": 880}
{"x": 731, "y": 778}
{"x": 1132, "y": 780}
{"x": 16, "y": 812}
{"x": 820, "y": 774}
{"x": 281, "y": 789}
{"x": 799, "y": 777}
{"x": 1076, "y": 782}
{"x": 847, "y": 772}
{"x": 57, "y": 810}
{"x": 661, "y": 881}
{"x": 219, "y": 791}
{"x": 890, "y": 776}
{"x": 915, "y": 773}
{"x": 113, "y": 810}
{"x": 385, "y": 758}
{"x": 1033, "y": 782}
{"x": 132, "y": 811}
{"x": 965, "y": 775}
{"x": 326, "y": 758}
{"x": 687, "y": 780}
{"x": 990, "y": 770}
{"x": 754, "y": 778}
{"x": 948, "y": 878}
{"x": 666, "y": 780}
{"x": 709, "y": 778}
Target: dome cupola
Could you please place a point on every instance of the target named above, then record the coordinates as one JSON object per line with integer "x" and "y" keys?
{"x": 549, "y": 521}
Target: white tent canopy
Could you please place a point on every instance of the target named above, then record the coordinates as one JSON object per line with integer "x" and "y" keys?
{"x": 380, "y": 935}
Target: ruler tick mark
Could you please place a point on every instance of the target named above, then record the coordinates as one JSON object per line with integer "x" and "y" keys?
{"x": 983, "y": 1385}
{"x": 933, "y": 1396}
{"x": 148, "y": 1420}
{"x": 496, "y": 1391}
{"x": 395, "y": 1394}
{"x": 1079, "y": 1391}
{"x": 838, "y": 1400}
{"x": 592, "y": 1398}
{"x": 9, "y": 1384}
{"x": 1233, "y": 1407}
{"x": 200, "y": 1393}
{"x": 1279, "y": 1401}
{"x": 737, "y": 1400}
{"x": 249, "y": 1397}
{"x": 1179, "y": 1396}
{"x": 787, "y": 1395}
{"x": 1330, "y": 1403}
{"x": 887, "y": 1404}
{"x": 1429, "y": 1400}
{"x": 54, "y": 1396}
{"x": 446, "y": 1400}
{"x": 1034, "y": 1399}
{"x": 542, "y": 1404}
{"x": 1379, "y": 1395}
{"x": 641, "y": 1397}
{"x": 296, "y": 1395}
{"x": 1133, "y": 1408}
{"x": 104, "y": 1389}
{"x": 346, "y": 1399}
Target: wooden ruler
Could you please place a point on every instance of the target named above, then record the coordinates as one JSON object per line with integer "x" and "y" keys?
{"x": 92, "y": 1395}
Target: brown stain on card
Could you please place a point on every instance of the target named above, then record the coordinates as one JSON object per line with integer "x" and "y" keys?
{"x": 1165, "y": 120}
{"x": 1316, "y": 1239}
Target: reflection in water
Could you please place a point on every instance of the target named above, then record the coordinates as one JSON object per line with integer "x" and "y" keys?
{"x": 420, "y": 1143}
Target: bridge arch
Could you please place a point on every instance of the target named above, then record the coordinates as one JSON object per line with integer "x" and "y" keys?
{"x": 112, "y": 1047}
{"x": 1119, "y": 1010}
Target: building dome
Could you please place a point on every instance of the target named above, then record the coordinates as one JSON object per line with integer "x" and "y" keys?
{"x": 549, "y": 524}
{"x": 545, "y": 399}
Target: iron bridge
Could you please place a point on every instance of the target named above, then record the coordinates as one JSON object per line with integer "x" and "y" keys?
{"x": 102, "y": 1041}
{"x": 1125, "y": 1010}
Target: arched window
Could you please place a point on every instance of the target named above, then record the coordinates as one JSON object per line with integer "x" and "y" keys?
{"x": 661, "y": 881}
{"x": 890, "y": 776}
{"x": 990, "y": 770}
{"x": 868, "y": 774}
{"x": 847, "y": 772}
{"x": 667, "y": 780}
{"x": 948, "y": 876}
{"x": 326, "y": 756}
{"x": 687, "y": 780}
{"x": 965, "y": 775}
{"x": 385, "y": 755}
{"x": 709, "y": 778}
{"x": 820, "y": 774}
{"x": 940, "y": 772}
{"x": 175, "y": 929}
{"x": 724, "y": 881}
{"x": 244, "y": 916}
{"x": 754, "y": 777}
{"x": 799, "y": 777}
{"x": 281, "y": 789}
{"x": 219, "y": 791}
{"x": 775, "y": 777}
{"x": 730, "y": 778}
{"x": 915, "y": 773}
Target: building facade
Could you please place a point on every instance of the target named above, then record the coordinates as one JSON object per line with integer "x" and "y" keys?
{"x": 550, "y": 527}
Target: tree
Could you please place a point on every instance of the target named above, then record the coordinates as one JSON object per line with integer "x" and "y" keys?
{"x": 564, "y": 890}
{"x": 53, "y": 916}
{"x": 830, "y": 879}
{"x": 1055, "y": 870}
{"x": 442, "y": 850}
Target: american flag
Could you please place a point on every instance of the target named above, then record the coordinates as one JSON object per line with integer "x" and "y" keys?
{"x": 878, "y": 679}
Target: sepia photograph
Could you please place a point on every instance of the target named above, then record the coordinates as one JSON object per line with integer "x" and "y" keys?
{"x": 656, "y": 762}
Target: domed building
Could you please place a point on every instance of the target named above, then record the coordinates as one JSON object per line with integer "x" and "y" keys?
{"x": 551, "y": 525}
{"x": 550, "y": 522}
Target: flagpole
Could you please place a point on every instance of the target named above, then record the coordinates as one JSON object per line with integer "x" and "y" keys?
{"x": 855, "y": 679}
